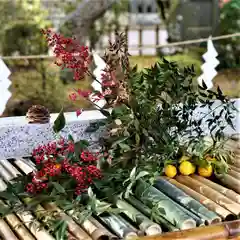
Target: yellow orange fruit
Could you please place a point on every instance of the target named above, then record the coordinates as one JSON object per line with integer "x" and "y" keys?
{"x": 170, "y": 171}
{"x": 205, "y": 171}
{"x": 186, "y": 168}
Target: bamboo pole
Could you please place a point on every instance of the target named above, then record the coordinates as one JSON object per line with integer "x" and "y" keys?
{"x": 119, "y": 226}
{"x": 6, "y": 232}
{"x": 17, "y": 225}
{"x": 152, "y": 197}
{"x": 211, "y": 205}
{"x": 94, "y": 231}
{"x": 225, "y": 191}
{"x": 198, "y": 220}
{"x": 99, "y": 225}
{"x": 210, "y": 193}
{"x": 73, "y": 227}
{"x": 187, "y": 201}
{"x": 234, "y": 168}
{"x": 167, "y": 226}
{"x": 212, "y": 232}
{"x": 144, "y": 223}
{"x": 234, "y": 173}
{"x": 230, "y": 182}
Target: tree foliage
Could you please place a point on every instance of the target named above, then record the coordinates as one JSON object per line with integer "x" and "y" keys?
{"x": 21, "y": 22}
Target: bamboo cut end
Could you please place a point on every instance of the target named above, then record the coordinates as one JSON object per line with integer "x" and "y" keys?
{"x": 98, "y": 234}
{"x": 215, "y": 220}
{"x": 153, "y": 230}
{"x": 190, "y": 223}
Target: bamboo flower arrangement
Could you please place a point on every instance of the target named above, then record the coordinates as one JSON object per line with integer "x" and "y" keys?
{"x": 177, "y": 201}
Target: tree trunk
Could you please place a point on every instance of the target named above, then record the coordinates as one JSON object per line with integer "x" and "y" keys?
{"x": 85, "y": 14}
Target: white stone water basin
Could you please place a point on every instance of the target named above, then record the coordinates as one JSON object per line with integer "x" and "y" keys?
{"x": 18, "y": 138}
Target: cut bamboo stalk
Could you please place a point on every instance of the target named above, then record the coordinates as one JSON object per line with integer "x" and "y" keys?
{"x": 225, "y": 191}
{"x": 26, "y": 217}
{"x": 187, "y": 201}
{"x": 147, "y": 211}
{"x": 211, "y": 205}
{"x": 212, "y": 232}
{"x": 152, "y": 197}
{"x": 73, "y": 227}
{"x": 10, "y": 168}
{"x": 21, "y": 163}
{"x": 234, "y": 168}
{"x": 198, "y": 220}
{"x": 95, "y": 232}
{"x": 6, "y": 232}
{"x": 210, "y": 193}
{"x": 119, "y": 226}
{"x": 99, "y": 225}
{"x": 17, "y": 226}
{"x": 230, "y": 182}
{"x": 143, "y": 222}
{"x": 234, "y": 174}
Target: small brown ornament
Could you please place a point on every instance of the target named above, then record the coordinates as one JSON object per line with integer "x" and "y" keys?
{"x": 38, "y": 114}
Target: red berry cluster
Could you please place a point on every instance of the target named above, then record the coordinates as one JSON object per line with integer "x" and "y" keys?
{"x": 76, "y": 57}
{"x": 69, "y": 53}
{"x": 58, "y": 159}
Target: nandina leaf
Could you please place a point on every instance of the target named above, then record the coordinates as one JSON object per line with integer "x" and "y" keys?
{"x": 58, "y": 187}
{"x": 60, "y": 122}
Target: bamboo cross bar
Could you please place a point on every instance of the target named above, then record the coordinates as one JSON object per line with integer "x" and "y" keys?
{"x": 212, "y": 232}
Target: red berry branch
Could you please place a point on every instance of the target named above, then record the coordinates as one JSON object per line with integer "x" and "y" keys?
{"x": 73, "y": 56}
{"x": 57, "y": 161}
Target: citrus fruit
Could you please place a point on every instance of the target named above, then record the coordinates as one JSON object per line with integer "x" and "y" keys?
{"x": 170, "y": 171}
{"x": 205, "y": 171}
{"x": 186, "y": 168}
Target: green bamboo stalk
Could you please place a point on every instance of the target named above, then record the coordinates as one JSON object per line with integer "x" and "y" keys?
{"x": 153, "y": 198}
{"x": 167, "y": 226}
{"x": 118, "y": 225}
{"x": 189, "y": 203}
{"x": 143, "y": 222}
{"x": 200, "y": 222}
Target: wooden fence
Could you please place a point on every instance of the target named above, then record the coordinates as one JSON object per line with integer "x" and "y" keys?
{"x": 142, "y": 40}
